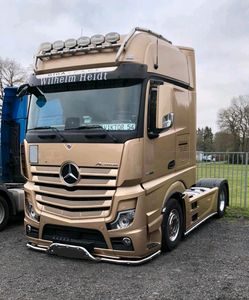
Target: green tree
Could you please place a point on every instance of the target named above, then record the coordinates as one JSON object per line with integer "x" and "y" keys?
{"x": 223, "y": 142}
{"x": 205, "y": 139}
{"x": 11, "y": 74}
{"x": 235, "y": 121}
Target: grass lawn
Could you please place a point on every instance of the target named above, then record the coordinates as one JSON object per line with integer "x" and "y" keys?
{"x": 232, "y": 213}
{"x": 237, "y": 179}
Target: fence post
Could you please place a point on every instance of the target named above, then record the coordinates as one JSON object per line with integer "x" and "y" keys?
{"x": 246, "y": 171}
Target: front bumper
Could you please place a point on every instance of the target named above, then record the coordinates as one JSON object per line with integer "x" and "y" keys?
{"x": 79, "y": 252}
{"x": 104, "y": 246}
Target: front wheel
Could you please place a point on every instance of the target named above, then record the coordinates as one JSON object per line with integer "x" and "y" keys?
{"x": 172, "y": 226}
{"x": 4, "y": 213}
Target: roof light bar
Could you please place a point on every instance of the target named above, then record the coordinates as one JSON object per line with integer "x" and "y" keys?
{"x": 82, "y": 45}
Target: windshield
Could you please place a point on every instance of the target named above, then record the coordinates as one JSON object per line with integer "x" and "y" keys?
{"x": 112, "y": 108}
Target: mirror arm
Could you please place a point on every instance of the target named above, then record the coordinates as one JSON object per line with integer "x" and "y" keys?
{"x": 153, "y": 135}
{"x": 22, "y": 90}
{"x": 36, "y": 91}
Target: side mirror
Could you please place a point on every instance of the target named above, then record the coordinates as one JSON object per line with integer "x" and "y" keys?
{"x": 22, "y": 90}
{"x": 167, "y": 121}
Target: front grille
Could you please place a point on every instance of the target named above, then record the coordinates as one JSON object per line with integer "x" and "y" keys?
{"x": 90, "y": 197}
{"x": 74, "y": 236}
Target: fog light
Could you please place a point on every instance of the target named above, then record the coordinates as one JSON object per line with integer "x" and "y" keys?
{"x": 28, "y": 229}
{"x": 127, "y": 241}
{"x": 123, "y": 220}
{"x": 122, "y": 244}
{"x": 32, "y": 231}
{"x": 31, "y": 212}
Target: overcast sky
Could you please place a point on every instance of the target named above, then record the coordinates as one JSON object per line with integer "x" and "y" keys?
{"x": 217, "y": 30}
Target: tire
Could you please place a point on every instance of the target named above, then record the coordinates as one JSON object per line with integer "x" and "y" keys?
{"x": 222, "y": 200}
{"x": 4, "y": 213}
{"x": 172, "y": 225}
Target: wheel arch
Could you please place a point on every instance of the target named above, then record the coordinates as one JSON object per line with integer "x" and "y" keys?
{"x": 176, "y": 191}
{"x": 214, "y": 182}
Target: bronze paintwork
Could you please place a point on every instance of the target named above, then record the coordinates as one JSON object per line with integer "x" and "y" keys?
{"x": 140, "y": 178}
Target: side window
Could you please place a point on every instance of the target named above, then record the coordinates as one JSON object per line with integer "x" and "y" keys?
{"x": 165, "y": 115}
{"x": 160, "y": 112}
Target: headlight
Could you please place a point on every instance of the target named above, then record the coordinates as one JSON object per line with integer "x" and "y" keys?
{"x": 123, "y": 220}
{"x": 31, "y": 212}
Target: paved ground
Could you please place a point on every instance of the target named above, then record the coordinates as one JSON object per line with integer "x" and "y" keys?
{"x": 211, "y": 263}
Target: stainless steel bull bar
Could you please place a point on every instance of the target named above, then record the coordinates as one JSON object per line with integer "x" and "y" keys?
{"x": 73, "y": 251}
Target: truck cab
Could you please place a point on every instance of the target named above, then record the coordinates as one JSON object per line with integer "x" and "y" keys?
{"x": 110, "y": 148}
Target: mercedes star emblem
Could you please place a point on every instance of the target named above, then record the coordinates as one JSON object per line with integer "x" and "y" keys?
{"x": 68, "y": 146}
{"x": 70, "y": 173}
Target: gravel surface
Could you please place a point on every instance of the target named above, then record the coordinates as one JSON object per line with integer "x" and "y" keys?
{"x": 211, "y": 263}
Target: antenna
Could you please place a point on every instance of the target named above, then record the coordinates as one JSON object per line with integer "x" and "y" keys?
{"x": 156, "y": 64}
{"x": 81, "y": 31}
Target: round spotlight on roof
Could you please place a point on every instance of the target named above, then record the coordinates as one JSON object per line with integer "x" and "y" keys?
{"x": 83, "y": 41}
{"x": 58, "y": 45}
{"x": 45, "y": 47}
{"x": 112, "y": 37}
{"x": 97, "y": 39}
{"x": 70, "y": 43}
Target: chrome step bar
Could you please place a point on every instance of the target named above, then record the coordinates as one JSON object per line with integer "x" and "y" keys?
{"x": 199, "y": 223}
{"x": 81, "y": 252}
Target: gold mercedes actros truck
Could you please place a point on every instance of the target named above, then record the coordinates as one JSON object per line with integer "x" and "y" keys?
{"x": 110, "y": 149}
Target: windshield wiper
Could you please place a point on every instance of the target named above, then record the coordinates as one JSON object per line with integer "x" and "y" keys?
{"x": 94, "y": 127}
{"x": 56, "y": 130}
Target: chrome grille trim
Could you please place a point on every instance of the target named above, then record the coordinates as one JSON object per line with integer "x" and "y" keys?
{"x": 83, "y": 182}
{"x": 79, "y": 193}
{"x": 76, "y": 214}
{"x": 90, "y": 197}
{"x": 87, "y": 171}
{"x": 73, "y": 204}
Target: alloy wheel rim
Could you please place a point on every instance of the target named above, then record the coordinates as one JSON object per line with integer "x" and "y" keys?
{"x": 2, "y": 213}
{"x": 222, "y": 200}
{"x": 173, "y": 225}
